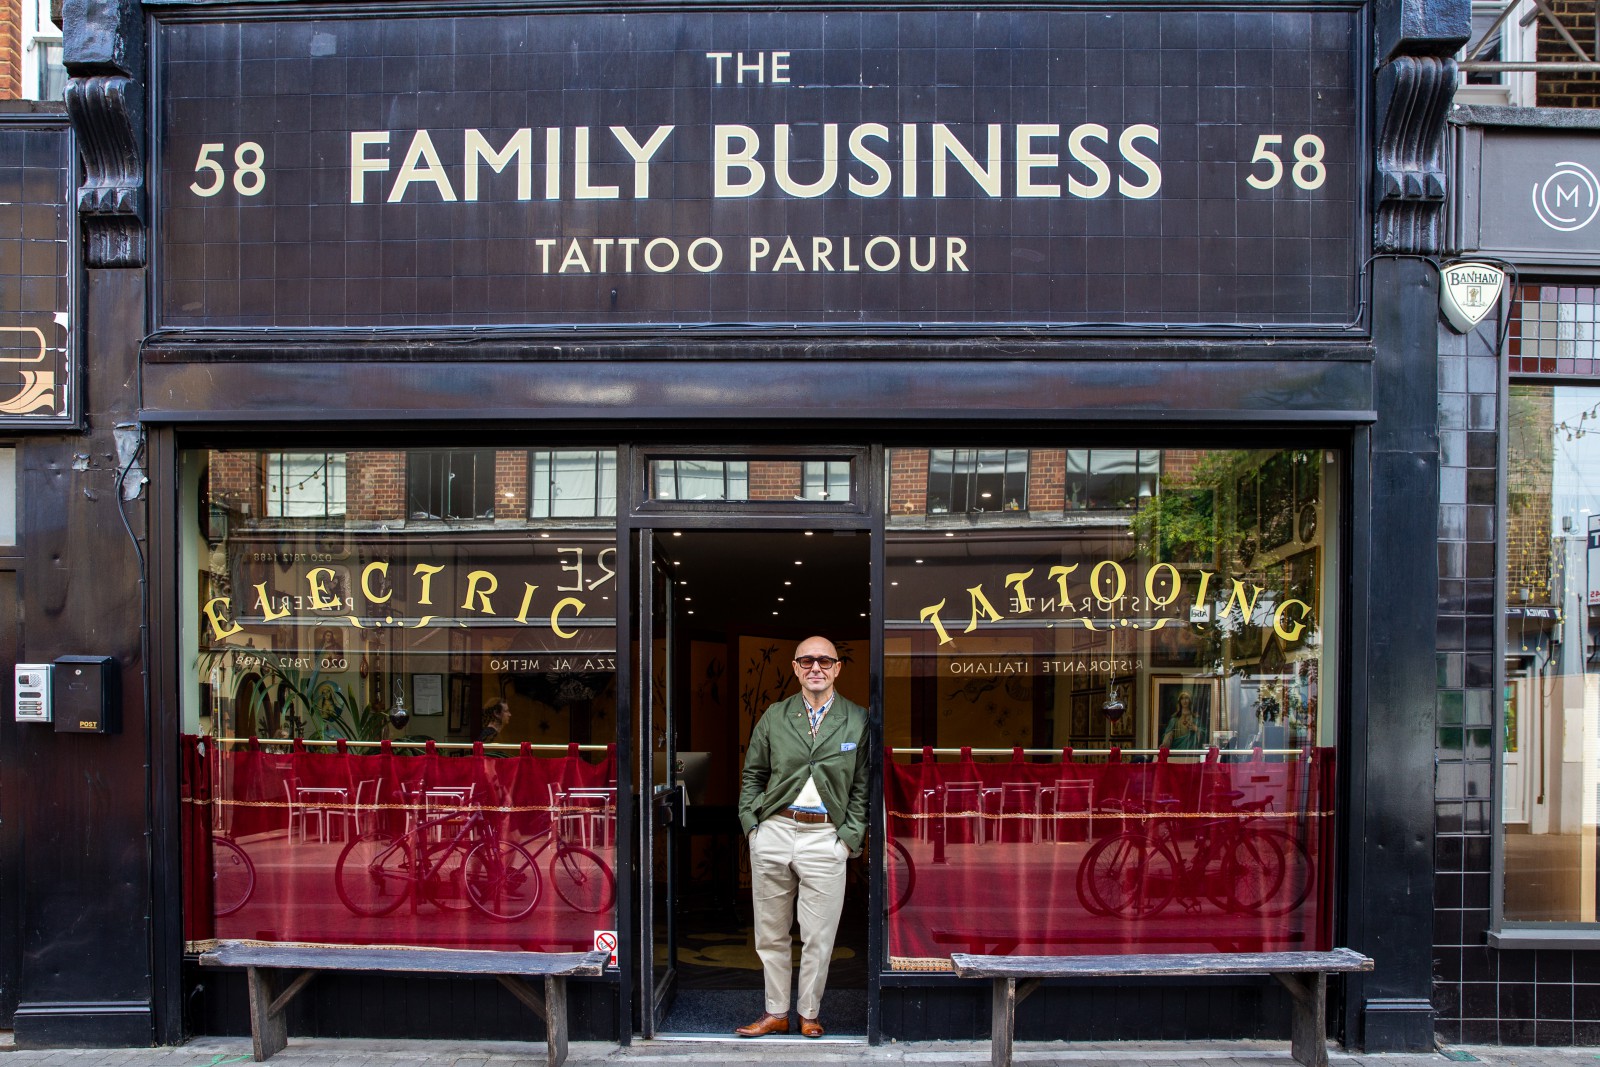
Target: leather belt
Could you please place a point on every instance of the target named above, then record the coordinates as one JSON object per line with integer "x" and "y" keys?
{"x": 812, "y": 817}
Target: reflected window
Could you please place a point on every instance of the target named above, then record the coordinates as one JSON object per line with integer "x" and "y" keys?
{"x": 303, "y": 484}
{"x": 450, "y": 484}
{"x": 965, "y": 481}
{"x": 573, "y": 483}
{"x": 1550, "y": 742}
{"x": 701, "y": 479}
{"x": 825, "y": 480}
{"x": 1111, "y": 478}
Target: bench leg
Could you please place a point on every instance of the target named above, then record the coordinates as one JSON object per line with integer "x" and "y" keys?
{"x": 269, "y": 1030}
{"x": 555, "y": 1023}
{"x": 1308, "y": 1035}
{"x": 1002, "y": 1021}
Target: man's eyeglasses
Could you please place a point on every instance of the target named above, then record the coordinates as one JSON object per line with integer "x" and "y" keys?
{"x": 825, "y": 662}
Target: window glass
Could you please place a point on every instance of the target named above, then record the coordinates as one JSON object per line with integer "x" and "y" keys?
{"x": 1110, "y": 730}
{"x": 451, "y": 484}
{"x": 1550, "y": 742}
{"x": 346, "y": 654}
{"x": 304, "y": 484}
{"x": 8, "y": 496}
{"x": 573, "y": 484}
{"x": 750, "y": 480}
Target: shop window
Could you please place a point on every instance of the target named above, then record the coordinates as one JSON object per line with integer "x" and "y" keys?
{"x": 301, "y": 485}
{"x": 964, "y": 481}
{"x": 8, "y": 496}
{"x": 341, "y": 668}
{"x": 1549, "y": 737}
{"x": 1553, "y": 331}
{"x": 1113, "y": 730}
{"x": 450, "y": 484}
{"x": 573, "y": 483}
{"x": 1111, "y": 478}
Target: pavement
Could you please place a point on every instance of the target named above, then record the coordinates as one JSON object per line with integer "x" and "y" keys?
{"x": 772, "y": 1052}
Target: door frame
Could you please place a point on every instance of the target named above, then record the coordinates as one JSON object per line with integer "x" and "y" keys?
{"x": 638, "y": 519}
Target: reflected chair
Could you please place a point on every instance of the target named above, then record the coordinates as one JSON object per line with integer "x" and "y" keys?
{"x": 1019, "y": 798}
{"x": 964, "y": 801}
{"x": 1070, "y": 795}
{"x": 301, "y": 813}
{"x": 366, "y": 810}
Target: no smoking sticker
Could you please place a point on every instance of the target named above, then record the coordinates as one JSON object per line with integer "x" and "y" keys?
{"x": 607, "y": 940}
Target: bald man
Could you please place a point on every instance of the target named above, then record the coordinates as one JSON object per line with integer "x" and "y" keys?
{"x": 803, "y": 804}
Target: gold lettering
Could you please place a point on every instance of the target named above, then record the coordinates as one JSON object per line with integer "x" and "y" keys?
{"x": 981, "y": 608}
{"x": 1238, "y": 597}
{"x": 218, "y": 617}
{"x": 527, "y": 600}
{"x": 1174, "y": 583}
{"x": 932, "y": 615}
{"x": 555, "y": 616}
{"x": 1205, "y": 584}
{"x": 1094, "y": 581}
{"x": 1015, "y": 581}
{"x": 491, "y": 584}
{"x": 1060, "y": 575}
{"x": 267, "y": 614}
{"x": 1299, "y": 627}
{"x": 426, "y": 571}
{"x": 366, "y": 582}
{"x": 319, "y": 597}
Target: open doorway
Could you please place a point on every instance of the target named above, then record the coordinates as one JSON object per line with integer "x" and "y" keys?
{"x": 742, "y": 601}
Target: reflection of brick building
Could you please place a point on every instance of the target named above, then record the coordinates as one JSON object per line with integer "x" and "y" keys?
{"x": 1529, "y": 454}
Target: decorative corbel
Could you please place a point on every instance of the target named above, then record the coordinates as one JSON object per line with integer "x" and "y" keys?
{"x": 103, "y": 50}
{"x": 1415, "y": 83}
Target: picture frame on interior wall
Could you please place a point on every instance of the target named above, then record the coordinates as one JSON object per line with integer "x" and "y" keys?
{"x": 1182, "y": 712}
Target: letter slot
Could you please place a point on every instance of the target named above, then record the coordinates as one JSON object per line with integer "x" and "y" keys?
{"x": 85, "y": 690}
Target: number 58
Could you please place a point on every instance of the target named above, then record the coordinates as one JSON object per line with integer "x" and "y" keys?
{"x": 1308, "y": 171}
{"x": 248, "y": 177}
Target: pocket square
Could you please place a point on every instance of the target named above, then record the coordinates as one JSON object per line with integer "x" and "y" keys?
{"x": 847, "y": 746}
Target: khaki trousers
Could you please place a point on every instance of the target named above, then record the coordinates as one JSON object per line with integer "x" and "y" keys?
{"x": 796, "y": 867}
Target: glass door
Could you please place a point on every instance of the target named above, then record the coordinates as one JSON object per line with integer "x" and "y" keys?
{"x": 663, "y": 799}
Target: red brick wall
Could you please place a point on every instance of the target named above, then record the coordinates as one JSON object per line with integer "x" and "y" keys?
{"x": 774, "y": 479}
{"x": 510, "y": 485}
{"x": 10, "y": 49}
{"x": 375, "y": 486}
{"x": 908, "y": 481}
{"x": 236, "y": 480}
{"x": 1567, "y": 89}
{"x": 1047, "y": 479}
{"x": 1177, "y": 467}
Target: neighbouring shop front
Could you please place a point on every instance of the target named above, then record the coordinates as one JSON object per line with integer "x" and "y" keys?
{"x": 519, "y": 386}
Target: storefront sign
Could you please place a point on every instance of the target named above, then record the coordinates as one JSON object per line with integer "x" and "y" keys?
{"x": 1469, "y": 292}
{"x": 36, "y": 254}
{"x": 931, "y": 167}
{"x": 560, "y": 590}
{"x": 1109, "y": 597}
{"x": 1531, "y": 194}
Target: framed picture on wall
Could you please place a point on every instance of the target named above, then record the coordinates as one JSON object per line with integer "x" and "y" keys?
{"x": 1081, "y": 723}
{"x": 1182, "y": 712}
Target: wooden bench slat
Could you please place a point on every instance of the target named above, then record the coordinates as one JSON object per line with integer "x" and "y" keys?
{"x": 1341, "y": 960}
{"x": 419, "y": 960}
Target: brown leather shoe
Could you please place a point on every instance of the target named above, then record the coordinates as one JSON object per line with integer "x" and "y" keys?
{"x": 767, "y": 1024}
{"x": 810, "y": 1027}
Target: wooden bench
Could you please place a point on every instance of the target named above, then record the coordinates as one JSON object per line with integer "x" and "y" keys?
{"x": 271, "y": 986}
{"x": 1304, "y": 974}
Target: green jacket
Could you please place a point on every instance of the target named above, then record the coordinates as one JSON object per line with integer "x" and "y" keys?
{"x": 782, "y": 753}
